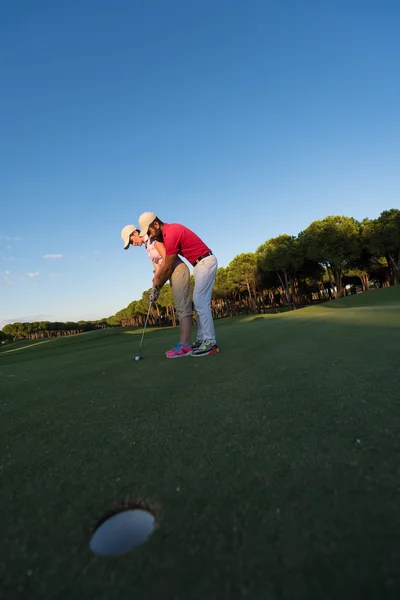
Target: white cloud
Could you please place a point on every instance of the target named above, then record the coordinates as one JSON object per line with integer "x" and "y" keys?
{"x": 53, "y": 275}
{"x": 6, "y": 279}
{"x": 53, "y": 256}
{"x": 9, "y": 259}
{"x": 34, "y": 274}
{"x": 15, "y": 238}
{"x": 26, "y": 319}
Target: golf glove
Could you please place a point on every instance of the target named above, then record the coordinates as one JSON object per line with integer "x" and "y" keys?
{"x": 154, "y": 294}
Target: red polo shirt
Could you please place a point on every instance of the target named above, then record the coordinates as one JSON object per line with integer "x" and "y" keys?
{"x": 178, "y": 239}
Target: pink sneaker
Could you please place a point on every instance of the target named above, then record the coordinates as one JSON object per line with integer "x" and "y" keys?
{"x": 179, "y": 350}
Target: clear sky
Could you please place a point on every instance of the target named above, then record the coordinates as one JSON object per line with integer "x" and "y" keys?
{"x": 241, "y": 119}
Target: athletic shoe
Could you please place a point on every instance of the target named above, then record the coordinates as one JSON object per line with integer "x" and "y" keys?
{"x": 196, "y": 344}
{"x": 179, "y": 350}
{"x": 206, "y": 348}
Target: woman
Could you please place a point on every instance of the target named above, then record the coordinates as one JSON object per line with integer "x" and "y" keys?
{"x": 180, "y": 285}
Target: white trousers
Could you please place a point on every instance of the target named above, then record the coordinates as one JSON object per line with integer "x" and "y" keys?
{"x": 204, "y": 277}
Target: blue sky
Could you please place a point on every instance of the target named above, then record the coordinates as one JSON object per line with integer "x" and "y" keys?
{"x": 241, "y": 120}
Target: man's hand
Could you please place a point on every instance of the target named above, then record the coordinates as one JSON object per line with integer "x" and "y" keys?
{"x": 154, "y": 294}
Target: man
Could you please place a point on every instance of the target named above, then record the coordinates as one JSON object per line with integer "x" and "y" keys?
{"x": 180, "y": 286}
{"x": 178, "y": 239}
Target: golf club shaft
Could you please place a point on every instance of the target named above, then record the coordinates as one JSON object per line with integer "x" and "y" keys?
{"x": 144, "y": 329}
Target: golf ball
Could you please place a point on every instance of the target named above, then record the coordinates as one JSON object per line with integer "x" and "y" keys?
{"x": 137, "y": 357}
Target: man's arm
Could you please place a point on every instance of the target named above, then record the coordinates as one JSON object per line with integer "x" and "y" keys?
{"x": 165, "y": 270}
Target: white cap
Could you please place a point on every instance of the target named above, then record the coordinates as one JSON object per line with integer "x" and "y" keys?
{"x": 126, "y": 234}
{"x": 144, "y": 221}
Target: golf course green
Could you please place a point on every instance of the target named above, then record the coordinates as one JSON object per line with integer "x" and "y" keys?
{"x": 272, "y": 468}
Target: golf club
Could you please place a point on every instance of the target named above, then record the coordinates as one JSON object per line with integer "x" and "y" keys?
{"x": 139, "y": 357}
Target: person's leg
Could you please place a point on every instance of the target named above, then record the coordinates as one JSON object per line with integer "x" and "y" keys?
{"x": 185, "y": 326}
{"x": 180, "y": 284}
{"x": 183, "y": 303}
{"x": 204, "y": 276}
{"x": 199, "y": 334}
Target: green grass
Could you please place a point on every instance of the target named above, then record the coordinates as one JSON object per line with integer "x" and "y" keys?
{"x": 273, "y": 466}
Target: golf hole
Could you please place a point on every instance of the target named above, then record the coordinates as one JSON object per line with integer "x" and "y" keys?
{"x": 121, "y": 532}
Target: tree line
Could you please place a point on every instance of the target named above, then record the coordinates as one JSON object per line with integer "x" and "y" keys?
{"x": 47, "y": 329}
{"x": 331, "y": 258}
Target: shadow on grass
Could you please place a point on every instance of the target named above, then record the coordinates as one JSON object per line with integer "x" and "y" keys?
{"x": 151, "y": 329}
{"x": 378, "y": 311}
{"x": 9, "y": 349}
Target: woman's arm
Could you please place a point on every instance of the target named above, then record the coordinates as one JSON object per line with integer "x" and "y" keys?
{"x": 164, "y": 270}
{"x": 156, "y": 266}
{"x": 159, "y": 246}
